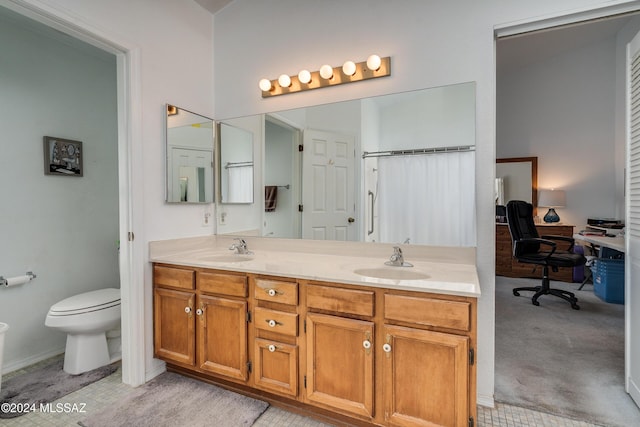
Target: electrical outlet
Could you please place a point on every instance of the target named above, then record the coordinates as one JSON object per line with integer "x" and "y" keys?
{"x": 206, "y": 219}
{"x": 222, "y": 219}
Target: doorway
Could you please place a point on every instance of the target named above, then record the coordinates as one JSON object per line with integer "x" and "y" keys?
{"x": 531, "y": 90}
{"x": 131, "y": 249}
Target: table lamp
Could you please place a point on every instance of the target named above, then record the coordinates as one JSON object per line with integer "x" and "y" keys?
{"x": 551, "y": 199}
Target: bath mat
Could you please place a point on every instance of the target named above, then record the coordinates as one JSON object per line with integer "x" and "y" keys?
{"x": 173, "y": 400}
{"x": 44, "y": 385}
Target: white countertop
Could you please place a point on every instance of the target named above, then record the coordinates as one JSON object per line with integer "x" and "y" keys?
{"x": 616, "y": 242}
{"x": 447, "y": 270}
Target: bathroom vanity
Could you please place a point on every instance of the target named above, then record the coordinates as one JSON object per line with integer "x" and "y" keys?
{"x": 323, "y": 327}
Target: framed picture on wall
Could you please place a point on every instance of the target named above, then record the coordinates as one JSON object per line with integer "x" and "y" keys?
{"x": 62, "y": 157}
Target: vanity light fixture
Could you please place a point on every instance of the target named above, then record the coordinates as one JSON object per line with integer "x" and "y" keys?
{"x": 349, "y": 68}
{"x": 304, "y": 77}
{"x": 284, "y": 81}
{"x": 327, "y": 75}
{"x": 265, "y": 85}
{"x": 326, "y": 71}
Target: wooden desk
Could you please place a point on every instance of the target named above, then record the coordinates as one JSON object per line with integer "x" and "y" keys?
{"x": 506, "y": 265}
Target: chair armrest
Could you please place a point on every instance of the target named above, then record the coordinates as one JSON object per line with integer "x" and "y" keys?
{"x": 536, "y": 240}
{"x": 567, "y": 239}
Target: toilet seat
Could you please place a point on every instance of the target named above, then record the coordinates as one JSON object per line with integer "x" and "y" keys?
{"x": 86, "y": 302}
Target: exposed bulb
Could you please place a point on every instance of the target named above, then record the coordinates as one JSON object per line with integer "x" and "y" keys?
{"x": 374, "y": 62}
{"x": 304, "y": 76}
{"x": 326, "y": 71}
{"x": 265, "y": 85}
{"x": 284, "y": 80}
{"x": 349, "y": 68}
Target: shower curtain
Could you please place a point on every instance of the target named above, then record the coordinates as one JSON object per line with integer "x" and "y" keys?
{"x": 429, "y": 199}
{"x": 240, "y": 184}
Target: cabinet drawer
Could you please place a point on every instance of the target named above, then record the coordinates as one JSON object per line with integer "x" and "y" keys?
{"x": 276, "y": 321}
{"x": 276, "y": 291}
{"x": 428, "y": 311}
{"x": 224, "y": 284}
{"x": 349, "y": 301}
{"x": 173, "y": 277}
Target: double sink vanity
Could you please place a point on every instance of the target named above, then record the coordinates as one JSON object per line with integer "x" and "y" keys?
{"x": 323, "y": 327}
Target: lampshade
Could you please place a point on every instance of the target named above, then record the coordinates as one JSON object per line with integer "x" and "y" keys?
{"x": 551, "y": 198}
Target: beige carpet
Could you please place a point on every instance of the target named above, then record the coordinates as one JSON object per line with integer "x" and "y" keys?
{"x": 562, "y": 361}
{"x": 173, "y": 400}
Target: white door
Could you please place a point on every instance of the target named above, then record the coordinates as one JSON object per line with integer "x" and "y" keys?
{"x": 327, "y": 186}
{"x": 632, "y": 264}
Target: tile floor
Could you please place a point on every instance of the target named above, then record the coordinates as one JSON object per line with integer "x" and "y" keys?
{"x": 109, "y": 390}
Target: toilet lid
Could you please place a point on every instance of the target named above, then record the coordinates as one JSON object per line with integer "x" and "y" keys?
{"x": 89, "y": 300}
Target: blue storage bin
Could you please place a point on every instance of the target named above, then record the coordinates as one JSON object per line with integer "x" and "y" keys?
{"x": 608, "y": 280}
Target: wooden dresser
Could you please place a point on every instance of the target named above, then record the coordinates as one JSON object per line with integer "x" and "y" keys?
{"x": 506, "y": 265}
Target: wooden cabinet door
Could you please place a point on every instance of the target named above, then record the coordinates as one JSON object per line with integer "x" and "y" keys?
{"x": 174, "y": 325}
{"x": 276, "y": 367}
{"x": 340, "y": 364}
{"x": 425, "y": 378}
{"x": 222, "y": 336}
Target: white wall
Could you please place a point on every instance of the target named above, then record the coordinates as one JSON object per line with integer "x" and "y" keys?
{"x": 64, "y": 229}
{"x": 543, "y": 110}
{"x": 431, "y": 43}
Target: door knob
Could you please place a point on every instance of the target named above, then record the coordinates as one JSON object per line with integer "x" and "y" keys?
{"x": 351, "y": 219}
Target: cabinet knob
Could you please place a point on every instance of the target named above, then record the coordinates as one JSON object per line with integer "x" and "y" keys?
{"x": 272, "y": 348}
{"x": 272, "y": 323}
{"x": 187, "y": 310}
{"x": 199, "y": 312}
{"x": 387, "y": 348}
{"x": 366, "y": 344}
{"x": 272, "y": 292}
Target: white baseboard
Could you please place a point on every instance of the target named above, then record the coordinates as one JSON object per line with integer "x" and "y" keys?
{"x": 484, "y": 400}
{"x": 157, "y": 367}
{"x": 28, "y": 361}
{"x": 634, "y": 391}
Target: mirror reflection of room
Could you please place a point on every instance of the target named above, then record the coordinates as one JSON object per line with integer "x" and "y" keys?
{"x": 236, "y": 164}
{"x": 189, "y": 156}
{"x": 336, "y": 193}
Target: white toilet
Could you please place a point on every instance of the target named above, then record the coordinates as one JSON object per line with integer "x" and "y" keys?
{"x": 92, "y": 323}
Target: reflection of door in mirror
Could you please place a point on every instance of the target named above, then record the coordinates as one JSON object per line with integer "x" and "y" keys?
{"x": 189, "y": 157}
{"x": 282, "y": 165}
{"x": 328, "y": 196}
{"x": 236, "y": 165}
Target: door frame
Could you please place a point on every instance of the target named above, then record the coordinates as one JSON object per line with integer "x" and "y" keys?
{"x": 562, "y": 19}
{"x": 129, "y": 103}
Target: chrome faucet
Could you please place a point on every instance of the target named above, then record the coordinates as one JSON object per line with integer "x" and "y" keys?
{"x": 240, "y": 246}
{"x": 397, "y": 259}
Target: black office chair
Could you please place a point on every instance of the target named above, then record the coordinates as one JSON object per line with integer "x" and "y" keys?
{"x": 530, "y": 248}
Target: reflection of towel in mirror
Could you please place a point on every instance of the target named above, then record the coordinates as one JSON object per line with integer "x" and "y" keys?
{"x": 270, "y": 197}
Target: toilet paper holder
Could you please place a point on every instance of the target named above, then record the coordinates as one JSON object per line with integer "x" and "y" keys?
{"x": 18, "y": 280}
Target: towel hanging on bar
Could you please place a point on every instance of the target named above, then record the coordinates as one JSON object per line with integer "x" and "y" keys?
{"x": 270, "y": 197}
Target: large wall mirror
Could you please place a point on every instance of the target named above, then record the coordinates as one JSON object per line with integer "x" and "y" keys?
{"x": 328, "y": 190}
{"x": 235, "y": 148}
{"x": 189, "y": 145}
{"x": 517, "y": 179}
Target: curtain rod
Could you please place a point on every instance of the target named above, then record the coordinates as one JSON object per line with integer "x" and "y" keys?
{"x": 415, "y": 151}
{"x": 237, "y": 164}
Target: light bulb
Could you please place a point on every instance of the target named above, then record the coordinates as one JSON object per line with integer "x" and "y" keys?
{"x": 304, "y": 76}
{"x": 326, "y": 71}
{"x": 265, "y": 85}
{"x": 349, "y": 68}
{"x": 374, "y": 62}
{"x": 284, "y": 80}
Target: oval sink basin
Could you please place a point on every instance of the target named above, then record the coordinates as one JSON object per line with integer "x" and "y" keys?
{"x": 226, "y": 258}
{"x": 393, "y": 273}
